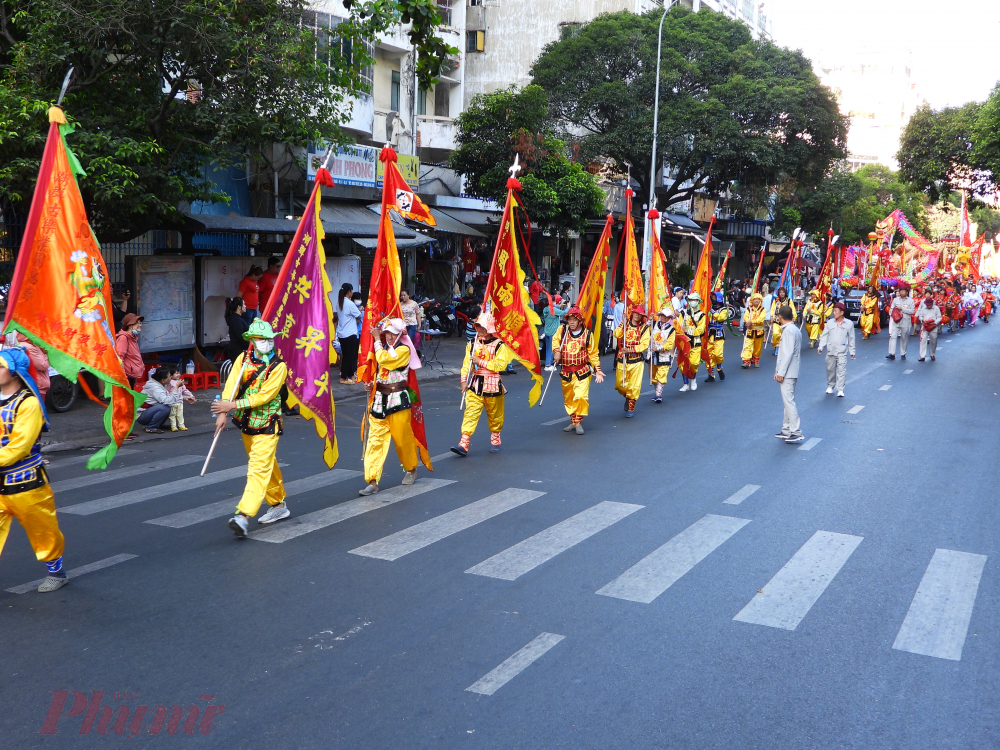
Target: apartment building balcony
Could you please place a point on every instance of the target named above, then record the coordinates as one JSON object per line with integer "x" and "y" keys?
{"x": 362, "y": 117}
{"x": 436, "y": 133}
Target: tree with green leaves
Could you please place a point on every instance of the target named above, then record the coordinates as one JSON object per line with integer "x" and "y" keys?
{"x": 557, "y": 192}
{"x": 937, "y": 151}
{"x": 732, "y": 109}
{"x": 882, "y": 192}
{"x": 815, "y": 207}
{"x": 162, "y": 88}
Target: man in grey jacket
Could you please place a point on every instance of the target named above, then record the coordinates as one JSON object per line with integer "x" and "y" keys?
{"x": 838, "y": 340}
{"x": 786, "y": 372}
{"x": 928, "y": 319}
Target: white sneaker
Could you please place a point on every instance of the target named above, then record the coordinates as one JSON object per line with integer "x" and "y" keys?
{"x": 551, "y": 368}
{"x": 52, "y": 583}
{"x": 410, "y": 477}
{"x": 685, "y": 387}
{"x": 275, "y": 513}
{"x": 829, "y": 389}
{"x": 694, "y": 385}
{"x": 370, "y": 489}
{"x": 239, "y": 525}
{"x": 840, "y": 394}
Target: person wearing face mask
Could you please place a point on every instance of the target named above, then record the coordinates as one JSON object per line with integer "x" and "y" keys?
{"x": 928, "y": 320}
{"x": 485, "y": 359}
{"x": 127, "y": 348}
{"x": 389, "y": 416}
{"x": 694, "y": 323}
{"x": 899, "y": 320}
{"x": 753, "y": 331}
{"x": 716, "y": 337}
{"x": 633, "y": 341}
{"x": 253, "y": 394}
{"x": 575, "y": 354}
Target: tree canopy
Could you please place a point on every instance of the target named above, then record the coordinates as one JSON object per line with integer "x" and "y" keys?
{"x": 556, "y": 192}
{"x": 937, "y": 149}
{"x": 163, "y": 87}
{"x": 732, "y": 109}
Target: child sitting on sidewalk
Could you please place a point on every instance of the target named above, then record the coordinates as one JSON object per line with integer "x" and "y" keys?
{"x": 179, "y": 392}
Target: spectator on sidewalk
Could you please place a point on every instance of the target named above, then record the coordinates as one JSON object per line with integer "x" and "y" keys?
{"x": 786, "y": 372}
{"x": 127, "y": 348}
{"x": 838, "y": 340}
{"x": 551, "y": 319}
{"x": 412, "y": 313}
{"x": 250, "y": 292}
{"x": 237, "y": 327}
{"x": 359, "y": 303}
{"x": 120, "y": 307}
{"x": 348, "y": 319}
{"x": 158, "y": 401}
{"x": 268, "y": 280}
{"x": 39, "y": 360}
{"x": 178, "y": 391}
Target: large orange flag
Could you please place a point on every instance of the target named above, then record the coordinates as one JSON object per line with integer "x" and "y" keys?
{"x": 702, "y": 282}
{"x": 516, "y": 321}
{"x": 659, "y": 282}
{"x": 60, "y": 297}
{"x": 633, "y": 285}
{"x": 591, "y": 302}
{"x": 383, "y": 292}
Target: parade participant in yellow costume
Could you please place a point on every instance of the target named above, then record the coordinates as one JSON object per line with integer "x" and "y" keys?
{"x": 633, "y": 341}
{"x": 869, "y": 311}
{"x": 814, "y": 315}
{"x": 25, "y": 493}
{"x": 485, "y": 358}
{"x": 695, "y": 324}
{"x": 716, "y": 337}
{"x": 754, "y": 319}
{"x": 253, "y": 394}
{"x": 780, "y": 300}
{"x": 575, "y": 353}
{"x": 389, "y": 415}
{"x": 662, "y": 343}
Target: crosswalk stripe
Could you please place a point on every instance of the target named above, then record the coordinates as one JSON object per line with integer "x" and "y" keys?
{"x": 99, "y": 477}
{"x": 885, "y": 387}
{"x": 72, "y": 460}
{"x": 855, "y": 409}
{"x": 299, "y": 525}
{"x": 907, "y": 372}
{"x": 661, "y": 569}
{"x": 555, "y": 421}
{"x": 225, "y": 507}
{"x": 740, "y": 495}
{"x": 514, "y": 665}
{"x": 515, "y": 561}
{"x": 809, "y": 444}
{"x": 417, "y": 537}
{"x": 938, "y": 619}
{"x": 442, "y": 457}
{"x": 789, "y": 596}
{"x": 107, "y": 562}
{"x": 151, "y": 493}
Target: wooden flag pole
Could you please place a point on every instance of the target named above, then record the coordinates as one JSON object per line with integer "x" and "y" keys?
{"x": 211, "y": 450}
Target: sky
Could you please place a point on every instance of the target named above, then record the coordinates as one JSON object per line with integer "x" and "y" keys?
{"x": 954, "y": 44}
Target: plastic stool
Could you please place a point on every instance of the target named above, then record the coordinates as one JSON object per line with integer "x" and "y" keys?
{"x": 211, "y": 379}
{"x": 195, "y": 382}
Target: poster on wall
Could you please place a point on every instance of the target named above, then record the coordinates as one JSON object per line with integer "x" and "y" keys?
{"x": 343, "y": 269}
{"x": 164, "y": 295}
{"x": 220, "y": 280}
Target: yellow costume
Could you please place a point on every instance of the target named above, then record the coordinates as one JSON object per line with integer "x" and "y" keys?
{"x": 578, "y": 360}
{"x": 776, "y": 305}
{"x": 754, "y": 320}
{"x": 664, "y": 340}
{"x": 256, "y": 397}
{"x": 695, "y": 325}
{"x": 389, "y": 416}
{"x": 869, "y": 309}
{"x": 716, "y": 342}
{"x": 814, "y": 314}
{"x": 633, "y": 343}
{"x": 484, "y": 388}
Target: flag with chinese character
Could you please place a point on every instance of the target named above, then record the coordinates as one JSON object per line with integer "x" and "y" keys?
{"x": 659, "y": 282}
{"x": 976, "y": 257}
{"x": 721, "y": 277}
{"x": 591, "y": 300}
{"x": 633, "y": 285}
{"x": 825, "y": 283}
{"x": 60, "y": 296}
{"x": 383, "y": 290}
{"x": 516, "y": 322}
{"x": 300, "y": 312}
{"x": 702, "y": 282}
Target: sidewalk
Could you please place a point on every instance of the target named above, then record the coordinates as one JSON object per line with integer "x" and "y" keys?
{"x": 83, "y": 425}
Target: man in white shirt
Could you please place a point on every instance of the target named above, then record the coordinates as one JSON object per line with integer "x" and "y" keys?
{"x": 838, "y": 340}
{"x": 899, "y": 330}
{"x": 678, "y": 302}
{"x": 928, "y": 320}
{"x": 786, "y": 372}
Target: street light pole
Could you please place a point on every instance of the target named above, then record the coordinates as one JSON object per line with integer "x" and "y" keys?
{"x": 656, "y": 118}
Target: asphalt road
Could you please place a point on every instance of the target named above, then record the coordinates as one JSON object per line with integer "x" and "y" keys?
{"x": 624, "y": 589}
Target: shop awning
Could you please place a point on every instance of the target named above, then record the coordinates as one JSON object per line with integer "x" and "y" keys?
{"x": 680, "y": 222}
{"x": 474, "y": 217}
{"x": 369, "y": 243}
{"x": 353, "y": 219}
{"x": 445, "y": 223}
{"x": 336, "y": 220}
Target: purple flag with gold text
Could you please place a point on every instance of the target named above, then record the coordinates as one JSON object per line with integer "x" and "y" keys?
{"x": 301, "y": 314}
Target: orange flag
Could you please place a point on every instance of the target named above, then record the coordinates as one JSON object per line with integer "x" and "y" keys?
{"x": 634, "y": 287}
{"x": 721, "y": 276}
{"x": 516, "y": 321}
{"x": 60, "y": 296}
{"x": 383, "y": 292}
{"x": 659, "y": 282}
{"x": 591, "y": 301}
{"x": 702, "y": 282}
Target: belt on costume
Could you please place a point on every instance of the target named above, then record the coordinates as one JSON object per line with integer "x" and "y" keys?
{"x": 390, "y": 387}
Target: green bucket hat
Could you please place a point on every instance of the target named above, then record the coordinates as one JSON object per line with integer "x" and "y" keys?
{"x": 259, "y": 329}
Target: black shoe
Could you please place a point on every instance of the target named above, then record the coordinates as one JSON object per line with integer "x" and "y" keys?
{"x": 933, "y": 358}
{"x": 902, "y": 356}
{"x": 890, "y": 356}
{"x": 459, "y": 450}
{"x": 709, "y": 379}
{"x": 920, "y": 360}
{"x": 722, "y": 375}
{"x": 744, "y": 367}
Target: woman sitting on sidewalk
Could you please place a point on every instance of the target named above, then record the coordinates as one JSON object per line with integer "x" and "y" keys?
{"x": 158, "y": 401}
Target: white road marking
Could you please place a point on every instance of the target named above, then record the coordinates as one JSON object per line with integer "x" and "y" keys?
{"x": 99, "y": 477}
{"x": 60, "y": 462}
{"x": 297, "y": 526}
{"x": 442, "y": 457}
{"x": 659, "y": 570}
{"x": 226, "y": 507}
{"x": 907, "y": 372}
{"x": 885, "y": 387}
{"x": 513, "y": 666}
{"x": 107, "y": 562}
{"x": 809, "y": 444}
{"x": 423, "y": 534}
{"x": 555, "y": 421}
{"x": 789, "y": 596}
{"x": 938, "y": 619}
{"x": 740, "y": 495}
{"x": 151, "y": 493}
{"x": 515, "y": 561}
{"x": 855, "y": 409}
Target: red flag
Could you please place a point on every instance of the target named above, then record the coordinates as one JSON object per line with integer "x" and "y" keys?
{"x": 516, "y": 322}
{"x": 717, "y": 286}
{"x": 591, "y": 300}
{"x": 60, "y": 297}
{"x": 760, "y": 266}
{"x": 965, "y": 227}
{"x": 976, "y": 257}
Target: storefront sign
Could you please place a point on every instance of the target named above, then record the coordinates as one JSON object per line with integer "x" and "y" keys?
{"x": 359, "y": 166}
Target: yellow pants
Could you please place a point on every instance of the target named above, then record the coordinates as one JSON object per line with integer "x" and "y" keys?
{"x": 628, "y": 379}
{"x": 751, "y": 348}
{"x": 694, "y": 358}
{"x": 36, "y": 510}
{"x": 867, "y": 322}
{"x": 576, "y": 396}
{"x": 661, "y": 373}
{"x": 263, "y": 475}
{"x": 396, "y": 427}
{"x": 775, "y": 334}
{"x": 814, "y": 330}
{"x": 474, "y": 406}
{"x": 716, "y": 352}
